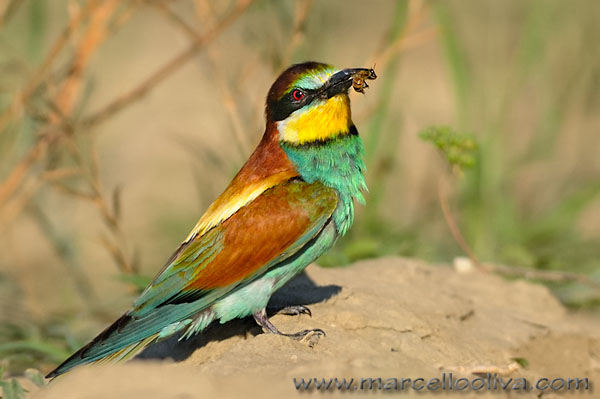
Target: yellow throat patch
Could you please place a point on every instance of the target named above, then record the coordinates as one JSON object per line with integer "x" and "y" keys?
{"x": 324, "y": 119}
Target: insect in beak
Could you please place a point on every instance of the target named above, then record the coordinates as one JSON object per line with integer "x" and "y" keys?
{"x": 359, "y": 81}
{"x": 341, "y": 81}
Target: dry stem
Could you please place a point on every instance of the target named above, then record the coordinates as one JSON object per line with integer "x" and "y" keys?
{"x": 38, "y": 77}
{"x": 166, "y": 70}
{"x": 452, "y": 225}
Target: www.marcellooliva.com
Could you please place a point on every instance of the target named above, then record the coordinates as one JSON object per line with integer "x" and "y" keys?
{"x": 446, "y": 382}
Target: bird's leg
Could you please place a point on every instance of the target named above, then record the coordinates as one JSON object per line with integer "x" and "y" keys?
{"x": 263, "y": 321}
{"x": 294, "y": 310}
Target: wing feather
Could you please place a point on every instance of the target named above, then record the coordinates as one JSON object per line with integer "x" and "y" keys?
{"x": 274, "y": 225}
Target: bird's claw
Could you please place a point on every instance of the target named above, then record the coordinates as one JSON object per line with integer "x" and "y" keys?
{"x": 301, "y": 334}
{"x": 311, "y": 336}
{"x": 295, "y": 310}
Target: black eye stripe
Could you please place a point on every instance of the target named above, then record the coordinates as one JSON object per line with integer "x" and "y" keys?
{"x": 284, "y": 107}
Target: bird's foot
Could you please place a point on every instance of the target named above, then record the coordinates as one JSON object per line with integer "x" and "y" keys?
{"x": 295, "y": 310}
{"x": 313, "y": 334}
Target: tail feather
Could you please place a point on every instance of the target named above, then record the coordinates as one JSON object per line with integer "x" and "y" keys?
{"x": 90, "y": 353}
{"x": 80, "y": 357}
{"x": 127, "y": 333}
{"x": 122, "y": 355}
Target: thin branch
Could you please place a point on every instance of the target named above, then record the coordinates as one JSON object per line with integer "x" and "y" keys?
{"x": 92, "y": 37}
{"x": 38, "y": 77}
{"x": 8, "y": 9}
{"x": 19, "y": 172}
{"x": 228, "y": 99}
{"x": 301, "y": 14}
{"x": 64, "y": 251}
{"x": 545, "y": 275}
{"x": 15, "y": 205}
{"x": 206, "y": 13}
{"x": 65, "y": 98}
{"x": 405, "y": 43}
{"x": 109, "y": 214}
{"x": 57, "y": 174}
{"x": 300, "y": 17}
{"x": 409, "y": 38}
{"x": 453, "y": 226}
{"x": 165, "y": 71}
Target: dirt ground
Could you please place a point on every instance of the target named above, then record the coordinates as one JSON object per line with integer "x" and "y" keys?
{"x": 388, "y": 318}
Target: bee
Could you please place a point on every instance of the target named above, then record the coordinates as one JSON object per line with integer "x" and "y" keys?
{"x": 359, "y": 81}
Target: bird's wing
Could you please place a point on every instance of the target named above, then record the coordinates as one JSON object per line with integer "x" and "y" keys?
{"x": 267, "y": 230}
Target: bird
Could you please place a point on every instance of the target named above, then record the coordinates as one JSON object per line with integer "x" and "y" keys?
{"x": 287, "y": 205}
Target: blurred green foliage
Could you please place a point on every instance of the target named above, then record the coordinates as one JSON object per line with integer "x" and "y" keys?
{"x": 459, "y": 149}
{"x": 11, "y": 389}
{"x": 24, "y": 344}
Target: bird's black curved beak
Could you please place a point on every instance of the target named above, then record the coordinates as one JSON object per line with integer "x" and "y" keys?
{"x": 341, "y": 81}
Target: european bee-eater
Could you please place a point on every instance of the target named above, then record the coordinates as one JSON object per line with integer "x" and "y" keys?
{"x": 286, "y": 206}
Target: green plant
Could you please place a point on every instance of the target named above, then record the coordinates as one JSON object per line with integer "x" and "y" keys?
{"x": 11, "y": 388}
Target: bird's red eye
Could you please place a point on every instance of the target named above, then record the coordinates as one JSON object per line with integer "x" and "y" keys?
{"x": 298, "y": 95}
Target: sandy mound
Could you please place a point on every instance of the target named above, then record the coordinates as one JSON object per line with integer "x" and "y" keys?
{"x": 388, "y": 318}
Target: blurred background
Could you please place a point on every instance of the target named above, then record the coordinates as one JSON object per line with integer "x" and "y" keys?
{"x": 121, "y": 121}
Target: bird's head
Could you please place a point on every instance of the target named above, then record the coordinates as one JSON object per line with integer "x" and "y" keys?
{"x": 309, "y": 102}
